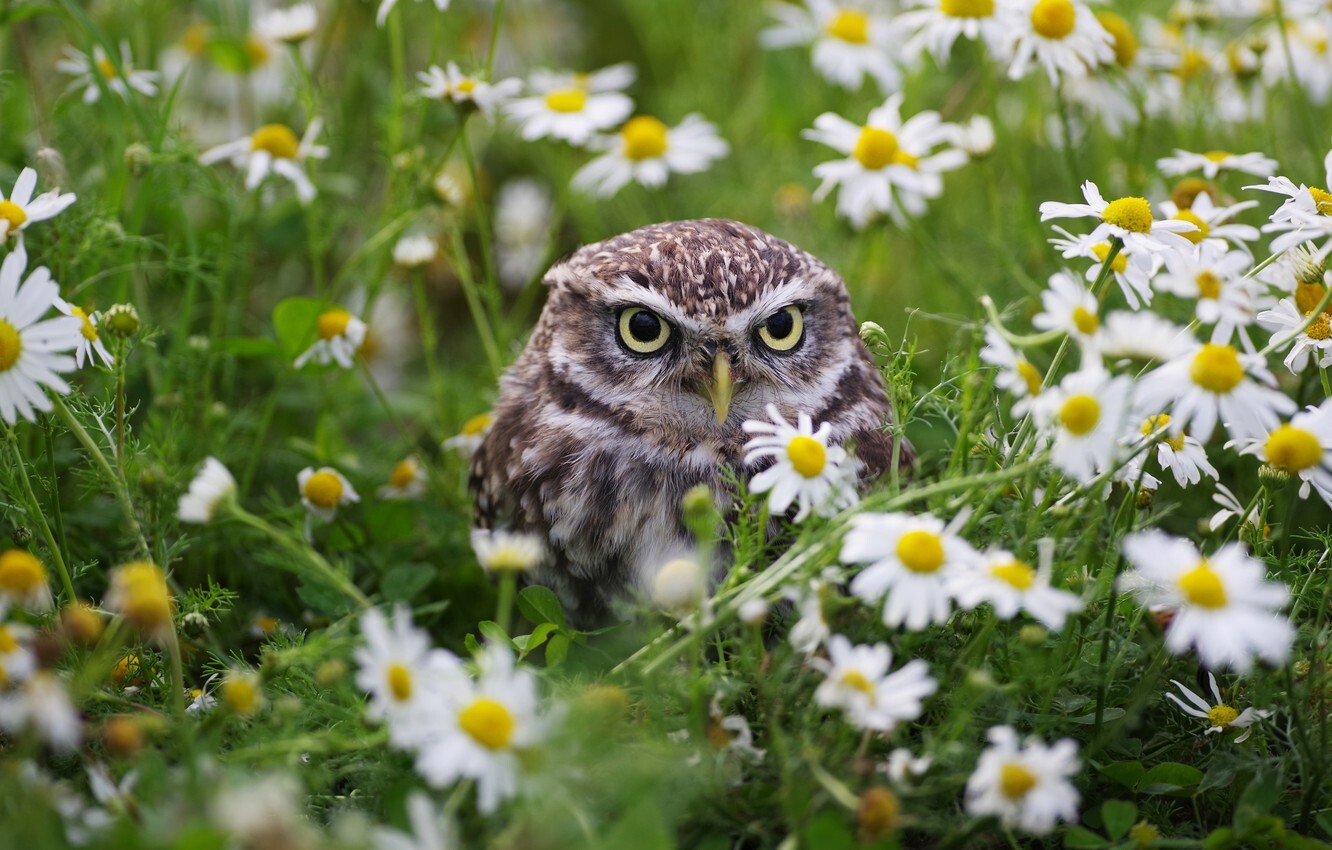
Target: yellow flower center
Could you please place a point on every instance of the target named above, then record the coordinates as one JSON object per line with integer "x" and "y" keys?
{"x": 257, "y": 51}
{"x": 856, "y": 681}
{"x": 1222, "y": 715}
{"x": 20, "y": 573}
{"x": 1209, "y": 285}
{"x": 11, "y": 346}
{"x": 1201, "y": 586}
{"x": 920, "y": 551}
{"x": 1152, "y": 424}
{"x": 145, "y": 600}
{"x": 324, "y": 489}
{"x": 1321, "y": 328}
{"x": 399, "y": 682}
{"x": 1102, "y": 250}
{"x": 1216, "y": 368}
{"x": 1085, "y": 320}
{"x": 8, "y": 643}
{"x": 195, "y": 39}
{"x": 1015, "y": 781}
{"x": 1030, "y": 375}
{"x": 467, "y": 86}
{"x": 1323, "y": 199}
{"x": 967, "y": 8}
{"x": 566, "y": 100}
{"x": 240, "y": 694}
{"x": 509, "y": 559}
{"x": 89, "y": 330}
{"x": 807, "y": 455}
{"x": 1192, "y": 63}
{"x": 489, "y": 723}
{"x": 904, "y": 158}
{"x": 1194, "y": 236}
{"x": 1016, "y": 573}
{"x": 1080, "y": 414}
{"x": 1132, "y": 214}
{"x": 13, "y": 213}
{"x": 644, "y": 138}
{"x": 276, "y": 139}
{"x": 333, "y": 323}
{"x": 850, "y": 25}
{"x": 476, "y": 424}
{"x": 1292, "y": 449}
{"x": 106, "y": 68}
{"x": 1308, "y": 296}
{"x": 266, "y": 625}
{"x": 1217, "y": 156}
{"x": 1125, "y": 41}
{"x": 404, "y": 473}
{"x": 1053, "y": 18}
{"x": 875, "y": 148}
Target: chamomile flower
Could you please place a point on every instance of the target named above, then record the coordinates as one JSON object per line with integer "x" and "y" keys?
{"x": 1213, "y": 222}
{"x": 430, "y": 829}
{"x": 1011, "y": 585}
{"x": 42, "y": 704}
{"x": 903, "y": 765}
{"x": 646, "y": 151}
{"x": 1314, "y": 342}
{"x": 324, "y": 490}
{"x": 1303, "y": 57}
{"x": 273, "y": 149}
{"x": 1213, "y": 279}
{"x": 1182, "y": 455}
{"x": 1231, "y": 507}
{"x": 139, "y": 592}
{"x": 1133, "y": 271}
{"x": 473, "y": 432}
{"x": 90, "y": 343}
{"x": 450, "y": 83}
{"x": 404, "y": 676}
{"x": 912, "y": 564}
{"x": 573, "y": 107}
{"x": 21, "y": 209}
{"x": 1130, "y": 219}
{"x": 407, "y": 480}
{"x": 1214, "y": 381}
{"x": 934, "y": 25}
{"x": 17, "y": 661}
{"x": 1212, "y": 163}
{"x": 848, "y": 42}
{"x": 857, "y": 682}
{"x": 1069, "y": 307}
{"x": 340, "y": 337}
{"x": 1061, "y": 36}
{"x": 1305, "y": 215}
{"x": 1143, "y": 336}
{"x": 386, "y": 6}
{"x": 1301, "y": 447}
{"x": 1016, "y": 374}
{"x": 891, "y": 166}
{"x": 1225, "y": 609}
{"x": 23, "y": 580}
{"x": 1027, "y": 786}
{"x": 483, "y": 729}
{"x": 1083, "y": 417}
{"x": 290, "y": 26}
{"x": 507, "y": 551}
{"x": 95, "y": 72}
{"x": 211, "y": 493}
{"x": 1220, "y": 717}
{"x": 524, "y": 212}
{"x": 32, "y": 350}
{"x": 414, "y": 251}
{"x": 805, "y": 469}
{"x": 811, "y": 630}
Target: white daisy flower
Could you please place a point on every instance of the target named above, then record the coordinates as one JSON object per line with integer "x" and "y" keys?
{"x": 1212, "y": 163}
{"x": 934, "y": 25}
{"x": 1305, "y": 215}
{"x": 482, "y": 730}
{"x": 340, "y": 337}
{"x": 507, "y": 551}
{"x": 849, "y": 42}
{"x": 1287, "y": 323}
{"x": 646, "y": 151}
{"x": 210, "y": 493}
{"x": 90, "y": 342}
{"x": 430, "y": 829}
{"x": 1303, "y": 57}
{"x": 92, "y": 74}
{"x": 1225, "y": 609}
{"x": 414, "y": 251}
{"x": 975, "y": 138}
{"x": 473, "y": 433}
{"x": 324, "y": 490}
{"x": 1214, "y": 279}
{"x": 1230, "y": 507}
{"x": 811, "y": 630}
{"x": 1182, "y": 455}
{"x": 912, "y": 563}
{"x": 1143, "y": 336}
{"x": 1129, "y": 218}
{"x": 1213, "y": 222}
{"x": 1062, "y": 36}
{"x": 273, "y": 149}
{"x": 805, "y": 470}
{"x": 903, "y": 765}
{"x": 571, "y": 106}
{"x": 1214, "y": 381}
{"x": 1133, "y": 474}
{"x": 1016, "y": 374}
{"x": 32, "y": 349}
{"x": 386, "y": 6}
{"x": 1025, "y": 786}
{"x": 857, "y": 682}
{"x": 1011, "y": 585}
{"x": 1084, "y": 417}
{"x": 403, "y": 674}
{"x": 450, "y": 83}
{"x": 290, "y": 26}
{"x": 524, "y": 212}
{"x": 17, "y": 661}
{"x": 891, "y": 166}
{"x": 21, "y": 209}
{"x": 1069, "y": 307}
{"x": 680, "y": 588}
{"x": 42, "y": 704}
{"x": 407, "y": 480}
{"x": 1220, "y": 717}
{"x": 1133, "y": 271}
{"x": 1301, "y": 447}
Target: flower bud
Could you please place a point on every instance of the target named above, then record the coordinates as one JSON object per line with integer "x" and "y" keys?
{"x": 121, "y": 320}
{"x": 880, "y": 814}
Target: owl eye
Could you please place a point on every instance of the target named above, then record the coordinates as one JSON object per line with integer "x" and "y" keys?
{"x": 643, "y": 331}
{"x": 784, "y": 329}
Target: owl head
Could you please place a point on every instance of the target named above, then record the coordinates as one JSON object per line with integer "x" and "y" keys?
{"x": 691, "y": 327}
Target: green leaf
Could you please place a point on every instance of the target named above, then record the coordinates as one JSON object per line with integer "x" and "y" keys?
{"x": 495, "y": 634}
{"x": 1169, "y": 777}
{"x": 540, "y": 605}
{"x": 296, "y": 321}
{"x": 403, "y": 583}
{"x": 470, "y": 642}
{"x": 1078, "y": 837}
{"x": 1259, "y": 796}
{"x": 527, "y": 643}
{"x": 1118, "y": 816}
{"x": 557, "y": 650}
{"x": 391, "y": 521}
{"x": 322, "y": 597}
{"x": 1220, "y": 839}
{"x": 828, "y": 831}
{"x": 1126, "y": 773}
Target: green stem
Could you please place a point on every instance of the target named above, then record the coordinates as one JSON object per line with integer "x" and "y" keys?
{"x": 172, "y": 647}
{"x": 34, "y": 508}
{"x": 494, "y": 38}
{"x": 56, "y": 513}
{"x": 479, "y": 315}
{"x": 504, "y": 607}
{"x": 426, "y": 323}
{"x": 321, "y": 567}
{"x": 384, "y": 402}
{"x": 396, "y": 57}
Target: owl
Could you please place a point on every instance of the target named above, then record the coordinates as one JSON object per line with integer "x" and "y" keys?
{"x": 653, "y": 348}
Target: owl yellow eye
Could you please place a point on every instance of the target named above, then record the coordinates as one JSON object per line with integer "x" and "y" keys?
{"x": 643, "y": 331}
{"x": 783, "y": 330}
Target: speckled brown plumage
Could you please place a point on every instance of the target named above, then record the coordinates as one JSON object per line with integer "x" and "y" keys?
{"x": 593, "y": 445}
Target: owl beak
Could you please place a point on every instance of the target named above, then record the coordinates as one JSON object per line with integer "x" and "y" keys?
{"x": 721, "y": 389}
